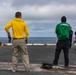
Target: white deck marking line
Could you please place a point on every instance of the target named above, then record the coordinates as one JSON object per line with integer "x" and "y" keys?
{"x": 36, "y": 67}
{"x": 36, "y": 44}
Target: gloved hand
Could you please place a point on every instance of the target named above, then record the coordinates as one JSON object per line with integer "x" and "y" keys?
{"x": 26, "y": 41}
{"x": 9, "y": 38}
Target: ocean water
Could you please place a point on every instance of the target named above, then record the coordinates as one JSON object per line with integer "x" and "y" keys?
{"x": 42, "y": 40}
{"x": 34, "y": 40}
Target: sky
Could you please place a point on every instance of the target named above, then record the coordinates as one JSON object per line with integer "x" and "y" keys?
{"x": 41, "y": 16}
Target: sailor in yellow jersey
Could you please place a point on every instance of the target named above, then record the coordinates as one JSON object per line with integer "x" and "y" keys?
{"x": 19, "y": 32}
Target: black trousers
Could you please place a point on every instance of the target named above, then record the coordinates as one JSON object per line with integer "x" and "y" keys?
{"x": 62, "y": 45}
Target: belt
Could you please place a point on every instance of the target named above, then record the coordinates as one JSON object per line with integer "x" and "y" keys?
{"x": 17, "y": 38}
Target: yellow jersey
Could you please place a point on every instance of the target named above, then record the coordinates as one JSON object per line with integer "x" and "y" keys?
{"x": 19, "y": 28}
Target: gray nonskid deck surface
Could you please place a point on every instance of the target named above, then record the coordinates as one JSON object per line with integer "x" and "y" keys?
{"x": 37, "y": 55}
